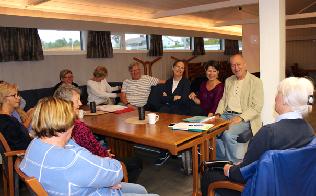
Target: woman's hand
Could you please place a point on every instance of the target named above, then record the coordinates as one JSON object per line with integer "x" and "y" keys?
{"x": 116, "y": 187}
{"x": 210, "y": 114}
{"x": 110, "y": 155}
{"x": 176, "y": 97}
{"x": 192, "y": 96}
{"x": 226, "y": 169}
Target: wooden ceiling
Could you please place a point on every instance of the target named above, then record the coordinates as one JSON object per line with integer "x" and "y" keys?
{"x": 144, "y": 12}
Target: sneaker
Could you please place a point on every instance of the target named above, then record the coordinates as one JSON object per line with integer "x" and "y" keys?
{"x": 164, "y": 156}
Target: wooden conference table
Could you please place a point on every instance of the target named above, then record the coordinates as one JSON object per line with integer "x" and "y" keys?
{"x": 158, "y": 135}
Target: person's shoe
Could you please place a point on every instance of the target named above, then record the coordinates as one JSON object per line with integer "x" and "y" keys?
{"x": 162, "y": 159}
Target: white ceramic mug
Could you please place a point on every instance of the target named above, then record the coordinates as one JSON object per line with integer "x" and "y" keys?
{"x": 80, "y": 114}
{"x": 152, "y": 118}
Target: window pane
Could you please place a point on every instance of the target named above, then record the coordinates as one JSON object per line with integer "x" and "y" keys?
{"x": 240, "y": 44}
{"x": 135, "y": 41}
{"x": 55, "y": 40}
{"x": 116, "y": 41}
{"x": 176, "y": 43}
{"x": 212, "y": 44}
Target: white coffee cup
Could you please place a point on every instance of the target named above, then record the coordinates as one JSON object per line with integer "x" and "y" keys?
{"x": 152, "y": 118}
{"x": 80, "y": 114}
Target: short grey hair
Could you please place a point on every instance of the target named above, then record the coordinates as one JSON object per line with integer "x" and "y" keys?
{"x": 65, "y": 92}
{"x": 296, "y": 92}
{"x": 133, "y": 64}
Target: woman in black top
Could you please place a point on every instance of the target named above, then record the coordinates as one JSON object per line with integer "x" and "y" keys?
{"x": 175, "y": 97}
{"x": 14, "y": 132}
{"x": 293, "y": 100}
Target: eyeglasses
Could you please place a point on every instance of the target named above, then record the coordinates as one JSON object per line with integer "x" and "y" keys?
{"x": 135, "y": 70}
{"x": 16, "y": 95}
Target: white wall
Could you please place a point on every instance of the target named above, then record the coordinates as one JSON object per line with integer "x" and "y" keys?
{"x": 41, "y": 74}
{"x": 251, "y": 46}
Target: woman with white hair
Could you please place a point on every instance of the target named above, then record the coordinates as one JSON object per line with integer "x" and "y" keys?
{"x": 294, "y": 100}
{"x": 99, "y": 89}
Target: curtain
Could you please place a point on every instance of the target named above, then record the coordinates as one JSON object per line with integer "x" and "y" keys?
{"x": 99, "y": 44}
{"x": 20, "y": 44}
{"x": 156, "y": 48}
{"x": 231, "y": 47}
{"x": 198, "y": 46}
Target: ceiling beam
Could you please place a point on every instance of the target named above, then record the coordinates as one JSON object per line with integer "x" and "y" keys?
{"x": 300, "y": 16}
{"x": 253, "y": 21}
{"x": 305, "y": 26}
{"x": 305, "y": 8}
{"x": 203, "y": 8}
{"x": 35, "y": 2}
{"x": 236, "y": 22}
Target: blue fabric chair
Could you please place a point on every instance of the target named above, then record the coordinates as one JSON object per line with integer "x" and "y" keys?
{"x": 278, "y": 173}
{"x": 282, "y": 172}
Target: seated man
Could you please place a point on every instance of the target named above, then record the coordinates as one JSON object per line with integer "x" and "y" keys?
{"x": 62, "y": 166}
{"x": 241, "y": 104}
{"x": 66, "y": 77}
{"x": 135, "y": 91}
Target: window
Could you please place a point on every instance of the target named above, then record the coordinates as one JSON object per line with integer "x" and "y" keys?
{"x": 58, "y": 40}
{"x": 176, "y": 43}
{"x": 212, "y": 44}
{"x": 240, "y": 45}
{"x": 136, "y": 42}
{"x": 116, "y": 41}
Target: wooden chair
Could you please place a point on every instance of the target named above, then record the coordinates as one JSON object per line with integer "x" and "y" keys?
{"x": 7, "y": 167}
{"x": 224, "y": 185}
{"x": 31, "y": 182}
{"x": 125, "y": 176}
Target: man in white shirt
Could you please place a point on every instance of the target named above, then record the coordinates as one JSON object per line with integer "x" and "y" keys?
{"x": 241, "y": 104}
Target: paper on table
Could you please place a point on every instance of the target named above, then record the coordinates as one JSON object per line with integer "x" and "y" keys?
{"x": 110, "y": 108}
{"x": 192, "y": 126}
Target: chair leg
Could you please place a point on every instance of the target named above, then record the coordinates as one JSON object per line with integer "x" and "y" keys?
{"x": 5, "y": 184}
{"x": 16, "y": 184}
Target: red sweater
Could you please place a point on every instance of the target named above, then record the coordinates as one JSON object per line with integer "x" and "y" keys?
{"x": 85, "y": 138}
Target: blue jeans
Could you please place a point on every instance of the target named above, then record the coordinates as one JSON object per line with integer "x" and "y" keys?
{"x": 227, "y": 147}
{"x": 131, "y": 189}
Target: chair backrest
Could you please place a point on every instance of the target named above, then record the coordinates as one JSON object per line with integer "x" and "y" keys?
{"x": 31, "y": 182}
{"x": 283, "y": 172}
{"x": 7, "y": 166}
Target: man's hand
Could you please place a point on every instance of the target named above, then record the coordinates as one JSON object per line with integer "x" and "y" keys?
{"x": 235, "y": 120}
{"x": 164, "y": 94}
{"x": 131, "y": 106}
{"x": 226, "y": 169}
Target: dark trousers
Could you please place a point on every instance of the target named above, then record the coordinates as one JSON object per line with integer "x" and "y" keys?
{"x": 210, "y": 176}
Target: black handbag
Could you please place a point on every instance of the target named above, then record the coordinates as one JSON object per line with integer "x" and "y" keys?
{"x": 213, "y": 165}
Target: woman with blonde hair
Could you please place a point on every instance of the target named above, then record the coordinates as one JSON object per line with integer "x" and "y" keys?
{"x": 13, "y": 131}
{"x": 99, "y": 89}
{"x": 62, "y": 166}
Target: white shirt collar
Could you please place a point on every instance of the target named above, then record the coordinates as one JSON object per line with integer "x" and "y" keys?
{"x": 289, "y": 115}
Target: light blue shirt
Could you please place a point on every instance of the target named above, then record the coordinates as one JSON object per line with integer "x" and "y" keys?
{"x": 71, "y": 170}
{"x": 289, "y": 115}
